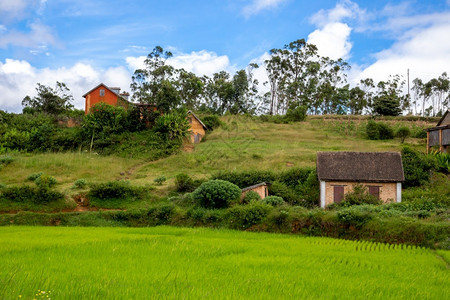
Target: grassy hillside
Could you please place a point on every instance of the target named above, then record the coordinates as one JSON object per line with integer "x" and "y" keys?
{"x": 242, "y": 143}
{"x": 165, "y": 262}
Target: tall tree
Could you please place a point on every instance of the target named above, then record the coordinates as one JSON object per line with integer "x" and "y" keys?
{"x": 389, "y": 100}
{"x": 147, "y": 82}
{"x": 50, "y": 100}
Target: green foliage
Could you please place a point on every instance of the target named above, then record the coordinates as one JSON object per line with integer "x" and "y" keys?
{"x": 416, "y": 166}
{"x": 281, "y": 190}
{"x": 116, "y": 190}
{"x": 211, "y": 122}
{"x": 184, "y": 183}
{"x": 359, "y": 196}
{"x": 104, "y": 119}
{"x": 273, "y": 200}
{"x": 402, "y": 133}
{"x": 5, "y": 160}
{"x": 34, "y": 176}
{"x": 296, "y": 113}
{"x": 160, "y": 180}
{"x": 173, "y": 126}
{"x": 217, "y": 194}
{"x": 379, "y": 131}
{"x": 251, "y": 196}
{"x": 49, "y": 100}
{"x": 354, "y": 216}
{"x": 244, "y": 216}
{"x": 309, "y": 190}
{"x": 443, "y": 161}
{"x": 25, "y": 193}
{"x": 80, "y": 183}
{"x": 45, "y": 181}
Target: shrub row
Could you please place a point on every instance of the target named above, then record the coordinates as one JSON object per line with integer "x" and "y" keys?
{"x": 359, "y": 222}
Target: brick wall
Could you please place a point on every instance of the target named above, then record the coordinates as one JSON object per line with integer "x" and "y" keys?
{"x": 388, "y": 191}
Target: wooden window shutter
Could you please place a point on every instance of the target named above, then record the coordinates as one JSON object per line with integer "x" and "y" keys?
{"x": 338, "y": 194}
{"x": 374, "y": 191}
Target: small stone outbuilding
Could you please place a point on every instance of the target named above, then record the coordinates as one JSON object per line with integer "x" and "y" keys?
{"x": 338, "y": 173}
{"x": 439, "y": 136}
{"x": 262, "y": 189}
{"x": 197, "y": 129}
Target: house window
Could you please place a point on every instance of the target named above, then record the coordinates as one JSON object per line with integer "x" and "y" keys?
{"x": 374, "y": 191}
{"x": 338, "y": 193}
{"x": 190, "y": 120}
{"x": 102, "y": 92}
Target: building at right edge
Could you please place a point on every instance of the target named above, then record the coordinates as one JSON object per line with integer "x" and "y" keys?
{"x": 338, "y": 173}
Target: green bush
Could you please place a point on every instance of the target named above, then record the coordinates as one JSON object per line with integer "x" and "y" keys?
{"x": 184, "y": 183}
{"x": 379, "y": 131}
{"x": 417, "y": 167}
{"x": 116, "y": 190}
{"x": 80, "y": 183}
{"x": 34, "y": 176}
{"x": 442, "y": 161}
{"x": 251, "y": 196}
{"x": 211, "y": 122}
{"x": 104, "y": 119}
{"x": 309, "y": 191}
{"x": 6, "y": 160}
{"x": 273, "y": 200}
{"x": 173, "y": 126}
{"x": 359, "y": 196}
{"x": 160, "y": 180}
{"x": 402, "y": 133}
{"x": 296, "y": 113}
{"x": 372, "y": 130}
{"x": 282, "y": 190}
{"x": 216, "y": 194}
{"x": 45, "y": 181}
{"x": 244, "y": 216}
{"x": 386, "y": 132}
{"x": 26, "y": 193}
{"x": 354, "y": 216}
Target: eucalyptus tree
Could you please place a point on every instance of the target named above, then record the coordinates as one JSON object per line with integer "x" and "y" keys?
{"x": 149, "y": 84}
{"x": 389, "y": 99}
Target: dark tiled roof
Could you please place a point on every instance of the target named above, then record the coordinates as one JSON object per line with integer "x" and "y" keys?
{"x": 360, "y": 166}
{"x": 255, "y": 186}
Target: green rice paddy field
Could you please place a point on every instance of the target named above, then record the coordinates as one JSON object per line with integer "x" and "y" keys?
{"x": 185, "y": 263}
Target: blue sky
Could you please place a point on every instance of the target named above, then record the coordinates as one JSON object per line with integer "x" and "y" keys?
{"x": 83, "y": 43}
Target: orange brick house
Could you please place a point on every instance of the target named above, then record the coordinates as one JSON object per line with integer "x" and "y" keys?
{"x": 105, "y": 94}
{"x": 339, "y": 172}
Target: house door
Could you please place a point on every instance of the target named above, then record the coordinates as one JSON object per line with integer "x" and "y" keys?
{"x": 338, "y": 194}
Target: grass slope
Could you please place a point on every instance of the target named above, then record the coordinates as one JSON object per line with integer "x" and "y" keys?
{"x": 242, "y": 144}
{"x": 181, "y": 263}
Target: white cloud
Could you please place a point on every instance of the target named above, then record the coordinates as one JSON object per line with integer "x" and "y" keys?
{"x": 425, "y": 53}
{"x": 38, "y": 35}
{"x": 332, "y": 37}
{"x": 12, "y": 8}
{"x": 344, "y": 9}
{"x": 333, "y": 40}
{"x": 258, "y": 5}
{"x": 18, "y": 79}
{"x": 198, "y": 62}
